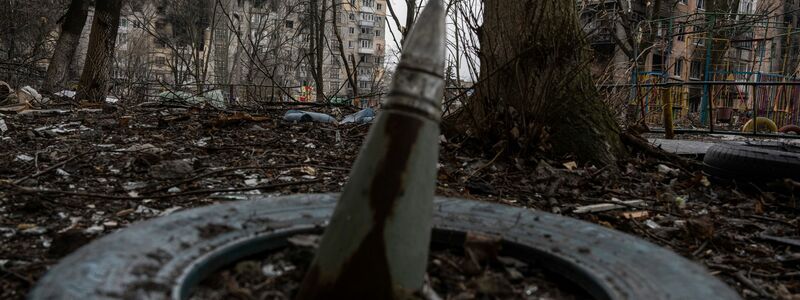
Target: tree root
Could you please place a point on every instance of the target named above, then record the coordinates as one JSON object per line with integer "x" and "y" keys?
{"x": 642, "y": 145}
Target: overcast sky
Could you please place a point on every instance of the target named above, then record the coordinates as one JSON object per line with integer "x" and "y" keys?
{"x": 399, "y": 7}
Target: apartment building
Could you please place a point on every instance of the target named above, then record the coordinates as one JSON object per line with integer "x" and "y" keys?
{"x": 254, "y": 49}
{"x": 683, "y": 43}
{"x": 269, "y": 44}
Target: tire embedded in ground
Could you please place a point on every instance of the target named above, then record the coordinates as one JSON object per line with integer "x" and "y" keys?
{"x": 166, "y": 258}
{"x": 760, "y": 162}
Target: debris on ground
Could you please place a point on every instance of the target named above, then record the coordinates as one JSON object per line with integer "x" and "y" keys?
{"x": 66, "y": 179}
{"x": 307, "y": 116}
{"x": 366, "y": 115}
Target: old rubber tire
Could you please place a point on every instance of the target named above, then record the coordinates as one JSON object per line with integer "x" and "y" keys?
{"x": 790, "y": 129}
{"x": 165, "y": 258}
{"x": 763, "y": 124}
{"x": 753, "y": 162}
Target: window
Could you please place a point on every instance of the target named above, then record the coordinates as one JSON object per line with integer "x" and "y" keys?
{"x": 350, "y": 44}
{"x": 658, "y": 63}
{"x": 367, "y": 3}
{"x": 684, "y": 2}
{"x": 123, "y": 23}
{"x": 352, "y": 16}
{"x": 379, "y": 6}
{"x": 678, "y": 69}
{"x": 377, "y": 33}
{"x": 701, "y": 4}
{"x": 352, "y": 30}
{"x": 696, "y": 70}
{"x": 699, "y": 40}
{"x": 122, "y": 38}
{"x": 366, "y": 44}
{"x": 681, "y": 32}
{"x": 289, "y": 24}
{"x": 160, "y": 60}
{"x": 363, "y": 84}
{"x": 335, "y": 73}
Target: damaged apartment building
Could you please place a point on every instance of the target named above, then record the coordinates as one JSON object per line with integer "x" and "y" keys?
{"x": 679, "y": 41}
{"x": 264, "y": 50}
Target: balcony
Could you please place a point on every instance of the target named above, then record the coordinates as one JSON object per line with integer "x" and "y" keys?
{"x": 367, "y": 9}
{"x": 366, "y": 23}
{"x": 366, "y": 36}
{"x": 362, "y": 50}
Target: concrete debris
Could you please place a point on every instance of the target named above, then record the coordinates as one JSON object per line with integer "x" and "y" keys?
{"x": 66, "y": 94}
{"x": 663, "y": 169}
{"x": 652, "y": 224}
{"x": 141, "y": 209}
{"x": 63, "y": 128}
{"x": 23, "y": 158}
{"x": 95, "y": 229}
{"x": 273, "y": 270}
{"x": 29, "y": 95}
{"x": 62, "y": 172}
{"x": 7, "y": 232}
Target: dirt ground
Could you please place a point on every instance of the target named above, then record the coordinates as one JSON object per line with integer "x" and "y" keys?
{"x": 66, "y": 179}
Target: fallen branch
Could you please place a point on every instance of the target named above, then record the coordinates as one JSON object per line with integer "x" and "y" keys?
{"x": 751, "y": 285}
{"x": 621, "y": 203}
{"x": 610, "y": 205}
{"x": 222, "y": 171}
{"x": 189, "y": 193}
{"x": 18, "y": 276}
{"x": 53, "y": 167}
{"x": 782, "y": 240}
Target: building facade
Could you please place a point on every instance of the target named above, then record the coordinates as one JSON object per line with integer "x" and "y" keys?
{"x": 682, "y": 42}
{"x": 260, "y": 50}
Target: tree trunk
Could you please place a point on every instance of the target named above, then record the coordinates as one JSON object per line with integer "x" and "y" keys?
{"x": 535, "y": 90}
{"x": 320, "y": 54}
{"x": 66, "y": 46}
{"x": 96, "y": 71}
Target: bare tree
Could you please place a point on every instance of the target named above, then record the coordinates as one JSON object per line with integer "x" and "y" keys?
{"x": 26, "y": 29}
{"x": 535, "y": 89}
{"x": 67, "y": 45}
{"x": 99, "y": 57}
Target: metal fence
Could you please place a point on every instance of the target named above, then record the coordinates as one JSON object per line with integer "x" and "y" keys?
{"x": 728, "y": 107}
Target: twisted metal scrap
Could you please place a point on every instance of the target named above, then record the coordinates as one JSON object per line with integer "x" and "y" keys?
{"x": 376, "y": 246}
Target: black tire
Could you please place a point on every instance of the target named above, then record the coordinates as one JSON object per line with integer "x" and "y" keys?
{"x": 165, "y": 258}
{"x": 753, "y": 162}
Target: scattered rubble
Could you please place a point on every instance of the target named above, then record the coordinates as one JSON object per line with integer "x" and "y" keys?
{"x": 85, "y": 176}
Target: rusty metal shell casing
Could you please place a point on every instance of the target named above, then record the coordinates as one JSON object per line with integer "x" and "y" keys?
{"x": 376, "y": 245}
